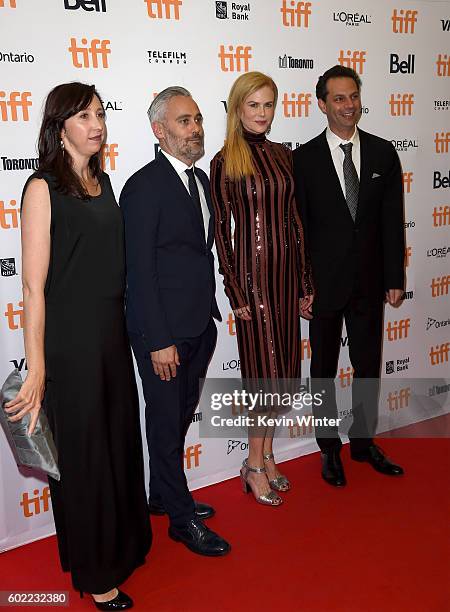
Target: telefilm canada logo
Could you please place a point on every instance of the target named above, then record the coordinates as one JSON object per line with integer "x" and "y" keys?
{"x": 158, "y": 56}
{"x": 239, "y": 11}
{"x": 397, "y": 365}
{"x": 352, "y": 19}
{"x": 442, "y": 105}
{"x": 8, "y": 266}
{"x": 300, "y": 63}
{"x": 433, "y": 323}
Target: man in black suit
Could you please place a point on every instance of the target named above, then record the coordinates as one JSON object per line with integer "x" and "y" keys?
{"x": 169, "y": 232}
{"x": 349, "y": 189}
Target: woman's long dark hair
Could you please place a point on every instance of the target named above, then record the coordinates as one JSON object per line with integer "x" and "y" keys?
{"x": 63, "y": 102}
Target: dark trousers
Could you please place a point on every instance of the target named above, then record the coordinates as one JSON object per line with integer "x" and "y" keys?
{"x": 169, "y": 407}
{"x": 364, "y": 323}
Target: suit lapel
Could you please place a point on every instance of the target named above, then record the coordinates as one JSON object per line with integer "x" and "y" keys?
{"x": 365, "y": 177}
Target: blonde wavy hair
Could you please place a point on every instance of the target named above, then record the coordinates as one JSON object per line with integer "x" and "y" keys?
{"x": 236, "y": 151}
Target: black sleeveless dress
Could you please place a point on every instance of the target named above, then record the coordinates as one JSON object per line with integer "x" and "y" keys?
{"x": 99, "y": 505}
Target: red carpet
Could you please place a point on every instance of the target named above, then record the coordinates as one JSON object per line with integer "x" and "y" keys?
{"x": 378, "y": 545}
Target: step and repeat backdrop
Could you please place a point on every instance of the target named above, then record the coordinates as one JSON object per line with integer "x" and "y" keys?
{"x": 133, "y": 49}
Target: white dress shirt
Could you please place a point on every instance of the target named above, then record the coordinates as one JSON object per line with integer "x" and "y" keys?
{"x": 180, "y": 168}
{"x": 338, "y": 154}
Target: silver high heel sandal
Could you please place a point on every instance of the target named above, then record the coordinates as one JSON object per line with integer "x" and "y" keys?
{"x": 268, "y": 499}
{"x": 280, "y": 483}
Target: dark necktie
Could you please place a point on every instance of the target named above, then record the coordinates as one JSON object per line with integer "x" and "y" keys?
{"x": 195, "y": 195}
{"x": 351, "y": 180}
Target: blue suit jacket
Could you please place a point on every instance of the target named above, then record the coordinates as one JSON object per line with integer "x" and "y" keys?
{"x": 170, "y": 266}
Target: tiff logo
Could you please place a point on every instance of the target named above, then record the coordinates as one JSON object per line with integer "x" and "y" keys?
{"x": 87, "y": 5}
{"x": 231, "y": 324}
{"x": 407, "y": 178}
{"x": 17, "y": 99}
{"x": 11, "y": 3}
{"x": 14, "y": 316}
{"x": 353, "y": 59}
{"x": 297, "y": 106}
{"x": 408, "y": 253}
{"x": 296, "y": 431}
{"x": 37, "y": 504}
{"x": 235, "y": 61}
{"x": 442, "y": 141}
{"x": 95, "y": 49}
{"x": 398, "y": 330}
{"x": 403, "y": 22}
{"x": 401, "y": 104}
{"x": 192, "y": 456}
{"x": 346, "y": 376}
{"x": 9, "y": 217}
{"x": 108, "y": 155}
{"x": 171, "y": 9}
{"x": 443, "y": 65}
{"x": 441, "y": 216}
{"x": 305, "y": 349}
{"x": 439, "y": 354}
{"x": 398, "y": 399}
{"x": 297, "y": 15}
{"x": 439, "y": 286}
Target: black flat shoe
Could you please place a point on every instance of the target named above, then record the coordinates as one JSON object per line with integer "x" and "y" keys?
{"x": 196, "y": 536}
{"x": 202, "y": 511}
{"x": 377, "y": 459}
{"x": 120, "y": 602}
{"x": 332, "y": 469}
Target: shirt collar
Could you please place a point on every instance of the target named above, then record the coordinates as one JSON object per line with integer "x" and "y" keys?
{"x": 334, "y": 140}
{"x": 177, "y": 164}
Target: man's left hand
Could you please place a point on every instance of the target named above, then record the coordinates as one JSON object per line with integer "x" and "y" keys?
{"x": 394, "y": 297}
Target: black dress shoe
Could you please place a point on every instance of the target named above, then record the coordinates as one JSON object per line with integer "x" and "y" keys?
{"x": 120, "y": 602}
{"x": 202, "y": 511}
{"x": 198, "y": 538}
{"x": 375, "y": 456}
{"x": 332, "y": 469}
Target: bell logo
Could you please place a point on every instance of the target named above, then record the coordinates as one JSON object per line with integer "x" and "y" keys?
{"x": 171, "y": 9}
{"x": 439, "y": 286}
{"x": 401, "y": 104}
{"x": 235, "y": 61}
{"x": 297, "y": 106}
{"x": 9, "y": 217}
{"x": 443, "y": 65}
{"x": 11, "y": 3}
{"x": 408, "y": 252}
{"x": 14, "y": 316}
{"x": 37, "y": 504}
{"x": 398, "y": 330}
{"x": 95, "y": 48}
{"x": 345, "y": 376}
{"x": 403, "y": 22}
{"x": 231, "y": 324}
{"x": 398, "y": 399}
{"x": 108, "y": 156}
{"x": 442, "y": 141}
{"x": 439, "y": 354}
{"x": 441, "y": 216}
{"x": 407, "y": 178}
{"x": 353, "y": 59}
{"x": 297, "y": 15}
{"x": 17, "y": 99}
{"x": 192, "y": 456}
{"x": 305, "y": 349}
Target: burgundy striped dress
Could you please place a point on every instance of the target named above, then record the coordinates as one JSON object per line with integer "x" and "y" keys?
{"x": 264, "y": 263}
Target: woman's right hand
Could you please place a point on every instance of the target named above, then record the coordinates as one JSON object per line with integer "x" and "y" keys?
{"x": 29, "y": 399}
{"x": 243, "y": 313}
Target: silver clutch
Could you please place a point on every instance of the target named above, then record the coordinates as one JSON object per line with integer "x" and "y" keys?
{"x": 36, "y": 451}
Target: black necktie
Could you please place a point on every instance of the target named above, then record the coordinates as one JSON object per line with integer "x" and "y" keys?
{"x": 193, "y": 190}
{"x": 351, "y": 180}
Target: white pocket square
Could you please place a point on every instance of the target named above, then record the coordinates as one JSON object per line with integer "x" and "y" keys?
{"x": 375, "y": 175}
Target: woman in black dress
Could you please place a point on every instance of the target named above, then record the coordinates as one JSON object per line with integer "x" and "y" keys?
{"x": 79, "y": 360}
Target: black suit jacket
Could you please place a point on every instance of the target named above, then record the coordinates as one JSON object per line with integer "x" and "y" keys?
{"x": 352, "y": 259}
{"x": 170, "y": 266}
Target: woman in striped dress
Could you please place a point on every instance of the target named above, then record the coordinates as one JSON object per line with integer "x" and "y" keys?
{"x": 266, "y": 273}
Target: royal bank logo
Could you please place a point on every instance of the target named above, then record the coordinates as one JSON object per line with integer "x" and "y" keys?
{"x": 16, "y": 58}
{"x": 87, "y": 5}
{"x": 404, "y": 67}
{"x": 398, "y": 365}
{"x": 291, "y": 145}
{"x": 405, "y": 145}
{"x": 287, "y": 61}
{"x": 433, "y": 323}
{"x": 19, "y": 163}
{"x": 8, "y": 266}
{"x": 238, "y": 11}
{"x": 236, "y": 444}
{"x": 166, "y": 57}
{"x": 441, "y": 105}
{"x": 352, "y": 19}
